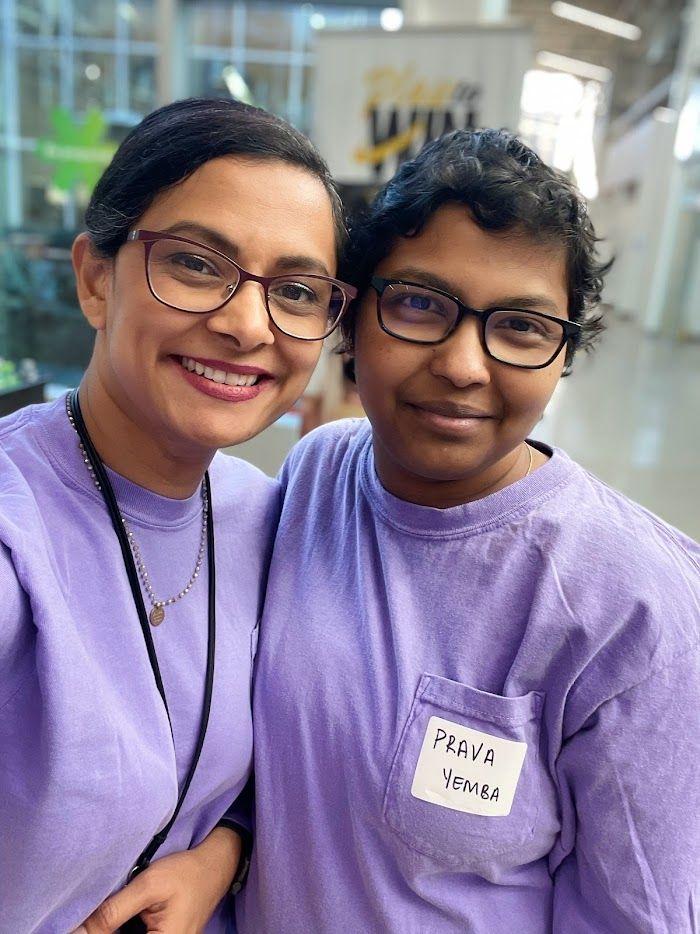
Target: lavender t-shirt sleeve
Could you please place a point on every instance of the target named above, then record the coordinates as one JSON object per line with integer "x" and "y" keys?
{"x": 629, "y": 783}
{"x": 15, "y": 633}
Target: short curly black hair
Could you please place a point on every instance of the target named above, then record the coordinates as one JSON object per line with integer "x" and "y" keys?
{"x": 506, "y": 186}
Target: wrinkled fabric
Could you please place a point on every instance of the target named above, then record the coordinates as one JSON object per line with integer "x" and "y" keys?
{"x": 554, "y": 615}
{"x": 89, "y": 770}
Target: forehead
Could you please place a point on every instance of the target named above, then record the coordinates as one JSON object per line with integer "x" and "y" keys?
{"x": 262, "y": 205}
{"x": 482, "y": 266}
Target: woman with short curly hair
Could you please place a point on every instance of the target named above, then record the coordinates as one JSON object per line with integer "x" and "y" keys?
{"x": 477, "y": 690}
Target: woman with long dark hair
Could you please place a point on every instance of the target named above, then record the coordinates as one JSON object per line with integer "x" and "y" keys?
{"x": 133, "y": 557}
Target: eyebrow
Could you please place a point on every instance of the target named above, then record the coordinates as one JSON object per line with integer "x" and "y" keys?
{"x": 210, "y": 237}
{"x": 520, "y": 302}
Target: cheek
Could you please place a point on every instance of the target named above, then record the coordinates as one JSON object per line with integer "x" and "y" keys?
{"x": 134, "y": 317}
{"x": 382, "y": 363}
{"x": 298, "y": 360}
{"x": 527, "y": 393}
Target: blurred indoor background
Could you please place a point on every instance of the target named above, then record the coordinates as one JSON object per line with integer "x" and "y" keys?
{"x": 607, "y": 91}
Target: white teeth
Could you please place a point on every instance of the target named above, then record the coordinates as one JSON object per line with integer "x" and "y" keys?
{"x": 218, "y": 376}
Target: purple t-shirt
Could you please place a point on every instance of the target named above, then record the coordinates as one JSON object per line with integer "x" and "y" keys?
{"x": 478, "y": 719}
{"x": 88, "y": 768}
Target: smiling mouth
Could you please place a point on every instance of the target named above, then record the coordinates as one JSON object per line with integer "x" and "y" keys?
{"x": 215, "y": 375}
{"x": 450, "y": 410}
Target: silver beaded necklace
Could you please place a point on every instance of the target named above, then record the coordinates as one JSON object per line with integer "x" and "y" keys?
{"x": 157, "y": 614}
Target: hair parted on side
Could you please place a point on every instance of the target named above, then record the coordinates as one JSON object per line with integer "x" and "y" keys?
{"x": 174, "y": 141}
{"x": 506, "y": 187}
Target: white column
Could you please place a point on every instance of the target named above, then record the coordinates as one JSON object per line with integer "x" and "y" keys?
{"x": 10, "y": 80}
{"x": 172, "y": 52}
{"x": 658, "y": 313}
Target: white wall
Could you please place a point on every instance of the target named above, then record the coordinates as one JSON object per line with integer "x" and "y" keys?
{"x": 634, "y": 184}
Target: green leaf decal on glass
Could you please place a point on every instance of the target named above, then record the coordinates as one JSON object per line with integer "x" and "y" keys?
{"x": 77, "y": 149}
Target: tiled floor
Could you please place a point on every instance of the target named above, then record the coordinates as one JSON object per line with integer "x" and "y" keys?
{"x": 630, "y": 412}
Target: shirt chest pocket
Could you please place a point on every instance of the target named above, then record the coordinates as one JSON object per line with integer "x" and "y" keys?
{"x": 466, "y": 782}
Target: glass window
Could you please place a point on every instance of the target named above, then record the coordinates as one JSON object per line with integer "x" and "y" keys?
{"x": 38, "y": 90}
{"x": 269, "y": 85}
{"x": 97, "y": 20}
{"x": 95, "y": 83}
{"x": 142, "y": 83}
{"x": 268, "y": 26}
{"x": 209, "y": 23}
{"x": 207, "y": 78}
{"x": 44, "y": 321}
{"x": 38, "y": 17}
{"x": 3, "y": 192}
{"x": 319, "y": 17}
{"x": 305, "y": 121}
{"x": 42, "y": 205}
{"x": 141, "y": 17}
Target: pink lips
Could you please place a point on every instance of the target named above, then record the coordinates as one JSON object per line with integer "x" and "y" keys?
{"x": 220, "y": 390}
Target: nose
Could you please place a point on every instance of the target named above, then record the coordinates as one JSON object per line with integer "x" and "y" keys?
{"x": 244, "y": 318}
{"x": 461, "y": 359}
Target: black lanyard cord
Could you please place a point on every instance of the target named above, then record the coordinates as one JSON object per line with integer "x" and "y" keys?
{"x": 132, "y": 574}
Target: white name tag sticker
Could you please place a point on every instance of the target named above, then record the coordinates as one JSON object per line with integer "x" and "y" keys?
{"x": 467, "y": 770}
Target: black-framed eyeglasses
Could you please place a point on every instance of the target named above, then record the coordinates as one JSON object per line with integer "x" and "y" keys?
{"x": 418, "y": 314}
{"x": 188, "y": 276}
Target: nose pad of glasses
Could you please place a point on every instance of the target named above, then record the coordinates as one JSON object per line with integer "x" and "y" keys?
{"x": 230, "y": 287}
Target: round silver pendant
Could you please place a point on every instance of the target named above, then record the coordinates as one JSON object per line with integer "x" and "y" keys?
{"x": 157, "y": 615}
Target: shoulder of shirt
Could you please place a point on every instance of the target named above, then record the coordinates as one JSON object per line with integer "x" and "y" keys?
{"x": 628, "y": 582}
{"x": 616, "y": 527}
{"x": 17, "y": 422}
{"x": 326, "y": 445}
{"x": 236, "y": 481}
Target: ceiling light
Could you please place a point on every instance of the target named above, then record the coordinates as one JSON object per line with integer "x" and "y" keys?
{"x": 127, "y": 11}
{"x": 317, "y": 21}
{"x": 664, "y": 114}
{"x": 93, "y": 72}
{"x": 391, "y": 19}
{"x": 687, "y": 140}
{"x": 577, "y": 14}
{"x": 573, "y": 66}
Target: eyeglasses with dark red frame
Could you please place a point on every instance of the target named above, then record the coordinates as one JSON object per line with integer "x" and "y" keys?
{"x": 337, "y": 306}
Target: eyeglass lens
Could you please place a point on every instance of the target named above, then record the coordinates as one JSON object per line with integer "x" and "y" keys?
{"x": 512, "y": 336}
{"x": 193, "y": 278}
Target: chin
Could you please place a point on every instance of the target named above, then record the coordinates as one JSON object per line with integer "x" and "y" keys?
{"x": 211, "y": 433}
{"x": 437, "y": 470}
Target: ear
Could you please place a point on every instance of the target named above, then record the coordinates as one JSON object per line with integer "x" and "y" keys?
{"x": 93, "y": 275}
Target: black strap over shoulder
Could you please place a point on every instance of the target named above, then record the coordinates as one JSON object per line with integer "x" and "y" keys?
{"x": 129, "y": 565}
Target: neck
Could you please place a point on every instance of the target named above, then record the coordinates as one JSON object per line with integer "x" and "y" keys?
{"x": 444, "y": 494}
{"x": 135, "y": 451}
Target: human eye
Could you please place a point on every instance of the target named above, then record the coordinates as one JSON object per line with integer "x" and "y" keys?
{"x": 192, "y": 264}
{"x": 413, "y": 302}
{"x": 301, "y": 295}
{"x": 294, "y": 292}
{"x": 524, "y": 326}
{"x": 421, "y": 302}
